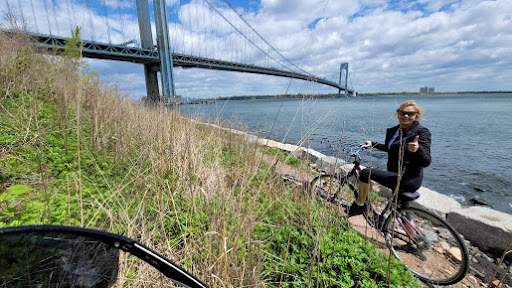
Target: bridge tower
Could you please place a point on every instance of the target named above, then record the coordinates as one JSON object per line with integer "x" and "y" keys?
{"x": 146, "y": 40}
{"x": 163, "y": 47}
{"x": 343, "y": 66}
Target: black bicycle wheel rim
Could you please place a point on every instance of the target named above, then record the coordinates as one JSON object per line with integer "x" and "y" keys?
{"x": 439, "y": 266}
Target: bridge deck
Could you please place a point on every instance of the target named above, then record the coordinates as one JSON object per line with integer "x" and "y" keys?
{"x": 150, "y": 56}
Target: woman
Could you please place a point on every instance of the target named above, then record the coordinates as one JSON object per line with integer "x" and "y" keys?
{"x": 408, "y": 142}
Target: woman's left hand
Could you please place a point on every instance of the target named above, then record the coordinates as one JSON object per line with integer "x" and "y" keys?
{"x": 414, "y": 145}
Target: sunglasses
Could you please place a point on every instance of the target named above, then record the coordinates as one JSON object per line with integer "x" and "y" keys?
{"x": 403, "y": 113}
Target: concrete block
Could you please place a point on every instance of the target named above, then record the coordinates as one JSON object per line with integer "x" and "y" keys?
{"x": 307, "y": 154}
{"x": 278, "y": 145}
{"x": 251, "y": 138}
{"x": 488, "y": 229}
{"x": 435, "y": 202}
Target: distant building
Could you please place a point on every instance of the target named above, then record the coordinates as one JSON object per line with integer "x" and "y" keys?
{"x": 427, "y": 89}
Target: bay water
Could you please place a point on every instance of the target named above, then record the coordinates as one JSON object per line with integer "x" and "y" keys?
{"x": 471, "y": 135}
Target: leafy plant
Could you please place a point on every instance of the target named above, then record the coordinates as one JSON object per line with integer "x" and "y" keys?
{"x": 284, "y": 156}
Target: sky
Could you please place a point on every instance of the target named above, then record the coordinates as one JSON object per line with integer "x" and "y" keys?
{"x": 390, "y": 46}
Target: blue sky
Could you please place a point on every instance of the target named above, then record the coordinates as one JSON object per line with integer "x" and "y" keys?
{"x": 391, "y": 46}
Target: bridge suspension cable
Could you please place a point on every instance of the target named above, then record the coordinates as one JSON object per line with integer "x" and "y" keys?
{"x": 262, "y": 38}
{"x": 34, "y": 15}
{"x": 243, "y": 35}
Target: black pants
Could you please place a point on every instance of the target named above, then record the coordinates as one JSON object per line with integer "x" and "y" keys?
{"x": 386, "y": 178}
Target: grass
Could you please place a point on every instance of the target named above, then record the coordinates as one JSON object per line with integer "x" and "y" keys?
{"x": 284, "y": 156}
{"x": 75, "y": 152}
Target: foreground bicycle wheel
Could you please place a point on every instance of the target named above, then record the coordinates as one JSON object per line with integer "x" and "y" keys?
{"x": 334, "y": 188}
{"x": 427, "y": 245}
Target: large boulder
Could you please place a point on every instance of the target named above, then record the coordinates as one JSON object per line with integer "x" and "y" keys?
{"x": 435, "y": 202}
{"x": 488, "y": 229}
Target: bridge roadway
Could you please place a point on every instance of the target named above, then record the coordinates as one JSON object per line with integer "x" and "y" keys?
{"x": 105, "y": 51}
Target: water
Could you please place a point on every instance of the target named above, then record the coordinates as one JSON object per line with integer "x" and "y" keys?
{"x": 471, "y": 135}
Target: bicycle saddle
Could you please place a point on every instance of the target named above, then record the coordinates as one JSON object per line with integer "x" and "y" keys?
{"x": 409, "y": 196}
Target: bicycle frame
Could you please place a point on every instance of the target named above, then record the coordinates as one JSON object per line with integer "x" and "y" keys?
{"x": 390, "y": 206}
{"x": 407, "y": 235}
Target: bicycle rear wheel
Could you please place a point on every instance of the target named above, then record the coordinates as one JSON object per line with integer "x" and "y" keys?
{"x": 338, "y": 189}
{"x": 427, "y": 245}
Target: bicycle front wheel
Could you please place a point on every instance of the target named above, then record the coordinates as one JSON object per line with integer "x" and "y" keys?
{"x": 427, "y": 245}
{"x": 338, "y": 189}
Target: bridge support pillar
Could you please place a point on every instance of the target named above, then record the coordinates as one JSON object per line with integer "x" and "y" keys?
{"x": 343, "y": 66}
{"x": 147, "y": 43}
{"x": 164, "y": 50}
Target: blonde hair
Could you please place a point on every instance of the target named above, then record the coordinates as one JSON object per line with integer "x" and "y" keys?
{"x": 419, "y": 112}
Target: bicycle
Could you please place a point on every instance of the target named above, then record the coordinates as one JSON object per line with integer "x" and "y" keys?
{"x": 423, "y": 241}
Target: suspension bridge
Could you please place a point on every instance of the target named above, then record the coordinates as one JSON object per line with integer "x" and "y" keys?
{"x": 195, "y": 34}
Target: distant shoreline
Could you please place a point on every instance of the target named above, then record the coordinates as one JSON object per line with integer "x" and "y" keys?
{"x": 335, "y": 95}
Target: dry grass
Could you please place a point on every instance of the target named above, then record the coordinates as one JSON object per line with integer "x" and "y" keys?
{"x": 167, "y": 161}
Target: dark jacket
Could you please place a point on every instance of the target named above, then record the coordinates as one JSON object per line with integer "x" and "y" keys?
{"x": 414, "y": 162}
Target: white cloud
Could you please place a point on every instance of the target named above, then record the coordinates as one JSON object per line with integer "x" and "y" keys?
{"x": 389, "y": 45}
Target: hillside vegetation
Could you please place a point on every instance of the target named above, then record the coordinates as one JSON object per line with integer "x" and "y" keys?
{"x": 75, "y": 152}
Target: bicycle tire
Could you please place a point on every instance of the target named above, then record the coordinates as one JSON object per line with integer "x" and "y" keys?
{"x": 432, "y": 258}
{"x": 338, "y": 189}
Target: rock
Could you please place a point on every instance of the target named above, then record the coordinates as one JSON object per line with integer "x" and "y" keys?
{"x": 472, "y": 279}
{"x": 476, "y": 272}
{"x": 445, "y": 245}
{"x": 431, "y": 236}
{"x": 439, "y": 250}
{"x": 455, "y": 254}
{"x": 487, "y": 258}
{"x": 436, "y": 203}
{"x": 495, "y": 284}
{"x": 488, "y": 229}
{"x": 444, "y": 233}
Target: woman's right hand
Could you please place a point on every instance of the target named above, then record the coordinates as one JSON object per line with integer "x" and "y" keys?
{"x": 368, "y": 143}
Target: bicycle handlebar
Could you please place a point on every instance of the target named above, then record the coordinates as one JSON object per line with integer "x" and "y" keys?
{"x": 355, "y": 154}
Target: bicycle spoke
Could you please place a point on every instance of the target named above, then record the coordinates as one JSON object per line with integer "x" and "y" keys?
{"x": 427, "y": 245}
{"x": 334, "y": 188}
